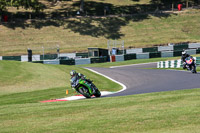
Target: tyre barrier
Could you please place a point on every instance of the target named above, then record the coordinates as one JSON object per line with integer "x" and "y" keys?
{"x": 24, "y": 58}
{"x": 133, "y": 51}
{"x": 167, "y": 54}
{"x": 175, "y": 63}
{"x": 82, "y": 61}
{"x": 142, "y": 56}
{"x": 53, "y": 62}
{"x": 70, "y": 55}
{"x": 193, "y": 45}
{"x": 119, "y": 58}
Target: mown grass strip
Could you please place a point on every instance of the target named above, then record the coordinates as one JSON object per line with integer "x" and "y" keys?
{"x": 173, "y": 111}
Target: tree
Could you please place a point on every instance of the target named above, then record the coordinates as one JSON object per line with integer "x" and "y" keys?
{"x": 3, "y": 5}
{"x": 35, "y": 5}
{"x": 82, "y": 6}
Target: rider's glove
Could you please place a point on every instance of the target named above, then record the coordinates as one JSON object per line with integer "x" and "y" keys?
{"x": 73, "y": 86}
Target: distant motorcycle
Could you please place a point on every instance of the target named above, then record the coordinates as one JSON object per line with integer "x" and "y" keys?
{"x": 190, "y": 64}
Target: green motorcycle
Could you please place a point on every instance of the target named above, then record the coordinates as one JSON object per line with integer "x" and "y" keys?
{"x": 87, "y": 88}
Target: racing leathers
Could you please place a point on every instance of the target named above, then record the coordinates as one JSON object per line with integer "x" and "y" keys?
{"x": 75, "y": 78}
{"x": 183, "y": 60}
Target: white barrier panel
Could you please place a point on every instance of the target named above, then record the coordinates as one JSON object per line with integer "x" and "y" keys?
{"x": 191, "y": 51}
{"x": 166, "y": 48}
{"x": 172, "y": 64}
{"x": 161, "y": 64}
{"x": 35, "y": 57}
{"x": 167, "y": 54}
{"x": 167, "y": 64}
{"x": 82, "y": 61}
{"x": 24, "y": 58}
{"x": 178, "y": 64}
{"x": 54, "y": 62}
{"x": 70, "y": 55}
{"x": 136, "y": 50}
{"x": 194, "y": 45}
{"x": 0, "y": 57}
{"x": 119, "y": 58}
{"x": 142, "y": 56}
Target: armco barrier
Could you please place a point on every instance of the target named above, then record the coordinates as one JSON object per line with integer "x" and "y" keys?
{"x": 191, "y": 51}
{"x": 70, "y": 55}
{"x": 152, "y": 49}
{"x": 198, "y": 61}
{"x": 16, "y": 58}
{"x": 54, "y": 62}
{"x": 120, "y": 52}
{"x": 48, "y": 57}
{"x": 177, "y": 53}
{"x": 99, "y": 60}
{"x": 167, "y": 54}
{"x": 129, "y": 56}
{"x": 165, "y": 48}
{"x": 198, "y": 51}
{"x": 194, "y": 45}
{"x": 24, "y": 58}
{"x": 180, "y": 47}
{"x": 35, "y": 57}
{"x": 155, "y": 55}
{"x": 82, "y": 61}
{"x": 119, "y": 58}
{"x": 132, "y": 51}
{"x": 83, "y": 55}
{"x": 142, "y": 56}
{"x": 67, "y": 62}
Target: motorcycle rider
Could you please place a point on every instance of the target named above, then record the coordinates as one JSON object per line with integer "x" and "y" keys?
{"x": 183, "y": 57}
{"x": 74, "y": 77}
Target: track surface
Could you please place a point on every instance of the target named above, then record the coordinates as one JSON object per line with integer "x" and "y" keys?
{"x": 139, "y": 80}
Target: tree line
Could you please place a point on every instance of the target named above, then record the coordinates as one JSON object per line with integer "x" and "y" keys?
{"x": 37, "y": 6}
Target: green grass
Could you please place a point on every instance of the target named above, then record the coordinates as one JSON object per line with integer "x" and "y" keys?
{"x": 21, "y": 111}
{"x": 18, "y": 77}
{"x": 174, "y": 111}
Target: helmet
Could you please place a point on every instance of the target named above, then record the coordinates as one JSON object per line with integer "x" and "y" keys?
{"x": 73, "y": 72}
{"x": 184, "y": 52}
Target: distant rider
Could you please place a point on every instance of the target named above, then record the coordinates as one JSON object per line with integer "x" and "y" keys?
{"x": 184, "y": 56}
{"x": 74, "y": 77}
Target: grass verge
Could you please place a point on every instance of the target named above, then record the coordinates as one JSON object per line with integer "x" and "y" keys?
{"x": 28, "y": 81}
{"x": 174, "y": 111}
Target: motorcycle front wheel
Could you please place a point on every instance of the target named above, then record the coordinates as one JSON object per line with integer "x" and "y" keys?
{"x": 193, "y": 69}
{"x": 85, "y": 92}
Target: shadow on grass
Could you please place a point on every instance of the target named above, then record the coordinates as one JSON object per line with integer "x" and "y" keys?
{"x": 99, "y": 19}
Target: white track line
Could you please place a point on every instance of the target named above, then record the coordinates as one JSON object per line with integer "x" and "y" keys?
{"x": 103, "y": 93}
{"x": 124, "y": 87}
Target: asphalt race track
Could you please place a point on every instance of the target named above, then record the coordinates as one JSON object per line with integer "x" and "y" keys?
{"x": 139, "y": 80}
